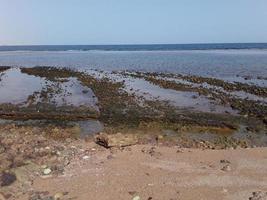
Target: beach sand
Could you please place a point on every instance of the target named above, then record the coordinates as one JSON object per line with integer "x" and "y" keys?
{"x": 159, "y": 172}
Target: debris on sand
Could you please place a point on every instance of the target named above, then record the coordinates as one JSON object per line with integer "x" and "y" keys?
{"x": 115, "y": 140}
{"x": 259, "y": 195}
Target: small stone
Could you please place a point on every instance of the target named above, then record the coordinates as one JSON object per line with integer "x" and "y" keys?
{"x": 226, "y": 168}
{"x": 225, "y": 161}
{"x": 47, "y": 171}
{"x": 66, "y": 162}
{"x": 160, "y": 137}
{"x": 86, "y": 157}
{"x": 224, "y": 190}
{"x": 7, "y": 179}
{"x": 110, "y": 157}
{"x": 136, "y": 198}
{"x": 115, "y": 140}
{"x": 58, "y": 196}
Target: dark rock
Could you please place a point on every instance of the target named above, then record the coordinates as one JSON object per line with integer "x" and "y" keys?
{"x": 102, "y": 140}
{"x": 225, "y": 161}
{"x": 7, "y": 179}
{"x": 115, "y": 140}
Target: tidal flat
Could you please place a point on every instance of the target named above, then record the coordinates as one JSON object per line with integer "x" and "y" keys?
{"x": 44, "y": 111}
{"x": 132, "y": 101}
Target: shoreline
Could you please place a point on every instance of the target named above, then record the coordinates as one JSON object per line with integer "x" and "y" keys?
{"x": 138, "y": 118}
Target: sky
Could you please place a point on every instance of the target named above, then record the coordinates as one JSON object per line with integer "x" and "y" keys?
{"x": 62, "y": 22}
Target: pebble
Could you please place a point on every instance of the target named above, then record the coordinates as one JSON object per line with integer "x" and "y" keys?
{"x": 224, "y": 190}
{"x": 226, "y": 168}
{"x": 225, "y": 161}
{"x": 136, "y": 198}
{"x": 160, "y": 137}
{"x": 47, "y": 171}
{"x": 86, "y": 157}
{"x": 58, "y": 196}
{"x": 110, "y": 157}
{"x": 7, "y": 179}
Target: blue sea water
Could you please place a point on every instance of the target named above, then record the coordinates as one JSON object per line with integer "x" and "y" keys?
{"x": 215, "y": 60}
{"x": 140, "y": 47}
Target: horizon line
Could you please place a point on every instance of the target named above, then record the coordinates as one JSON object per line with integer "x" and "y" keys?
{"x": 131, "y": 44}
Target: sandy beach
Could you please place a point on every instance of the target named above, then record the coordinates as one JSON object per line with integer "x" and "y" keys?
{"x": 72, "y": 134}
{"x": 143, "y": 172}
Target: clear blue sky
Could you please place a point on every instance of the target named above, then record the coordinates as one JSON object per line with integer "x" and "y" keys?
{"x": 132, "y": 21}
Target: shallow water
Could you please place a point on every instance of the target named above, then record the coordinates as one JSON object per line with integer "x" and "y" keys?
{"x": 227, "y": 64}
{"x": 16, "y": 88}
{"x": 236, "y": 94}
{"x": 180, "y": 99}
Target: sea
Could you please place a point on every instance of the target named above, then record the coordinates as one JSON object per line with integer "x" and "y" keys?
{"x": 227, "y": 61}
